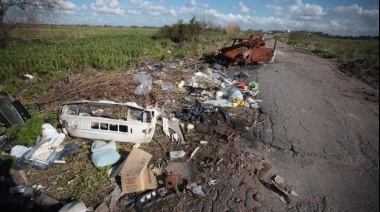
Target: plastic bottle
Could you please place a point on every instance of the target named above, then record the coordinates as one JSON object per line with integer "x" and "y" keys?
{"x": 177, "y": 154}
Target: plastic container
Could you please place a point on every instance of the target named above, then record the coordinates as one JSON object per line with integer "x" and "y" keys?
{"x": 105, "y": 157}
{"x": 177, "y": 154}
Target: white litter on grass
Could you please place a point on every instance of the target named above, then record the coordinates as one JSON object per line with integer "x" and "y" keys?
{"x": 18, "y": 151}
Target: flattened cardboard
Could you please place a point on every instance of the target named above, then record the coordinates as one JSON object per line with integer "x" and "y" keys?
{"x": 135, "y": 176}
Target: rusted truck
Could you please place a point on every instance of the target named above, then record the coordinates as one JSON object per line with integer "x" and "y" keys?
{"x": 245, "y": 51}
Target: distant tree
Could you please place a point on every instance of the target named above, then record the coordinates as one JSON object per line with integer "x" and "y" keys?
{"x": 13, "y": 12}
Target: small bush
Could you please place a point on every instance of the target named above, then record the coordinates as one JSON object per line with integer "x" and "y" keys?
{"x": 27, "y": 134}
{"x": 232, "y": 30}
{"x": 181, "y": 31}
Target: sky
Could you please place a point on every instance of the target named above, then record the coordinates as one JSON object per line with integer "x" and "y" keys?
{"x": 335, "y": 17}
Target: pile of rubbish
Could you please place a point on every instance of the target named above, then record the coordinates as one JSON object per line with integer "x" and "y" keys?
{"x": 206, "y": 96}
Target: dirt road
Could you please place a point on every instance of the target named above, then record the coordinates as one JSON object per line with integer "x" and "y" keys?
{"x": 321, "y": 132}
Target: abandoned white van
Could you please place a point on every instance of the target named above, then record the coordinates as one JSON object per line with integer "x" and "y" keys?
{"x": 107, "y": 120}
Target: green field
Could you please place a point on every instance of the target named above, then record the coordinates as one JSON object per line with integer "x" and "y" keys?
{"x": 343, "y": 50}
{"x": 49, "y": 52}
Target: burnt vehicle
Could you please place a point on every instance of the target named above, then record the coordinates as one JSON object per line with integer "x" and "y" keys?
{"x": 245, "y": 51}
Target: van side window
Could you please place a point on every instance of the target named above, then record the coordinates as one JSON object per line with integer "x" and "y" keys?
{"x": 104, "y": 126}
{"x": 95, "y": 125}
{"x": 114, "y": 127}
{"x": 123, "y": 128}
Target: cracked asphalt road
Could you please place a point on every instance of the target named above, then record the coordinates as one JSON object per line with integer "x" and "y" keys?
{"x": 321, "y": 132}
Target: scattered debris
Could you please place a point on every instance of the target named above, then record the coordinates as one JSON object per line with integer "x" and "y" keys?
{"x": 145, "y": 83}
{"x": 212, "y": 182}
{"x": 175, "y": 126}
{"x": 233, "y": 137}
{"x": 280, "y": 183}
{"x": 262, "y": 172}
{"x": 195, "y": 106}
{"x": 196, "y": 190}
{"x": 198, "y": 112}
{"x": 28, "y": 76}
{"x": 203, "y": 142}
{"x": 280, "y": 189}
{"x": 194, "y": 153}
{"x": 171, "y": 182}
{"x": 47, "y": 150}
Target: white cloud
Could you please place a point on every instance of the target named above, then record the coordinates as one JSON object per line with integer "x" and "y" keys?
{"x": 355, "y": 10}
{"x": 277, "y": 9}
{"x": 300, "y": 11}
{"x": 67, "y": 7}
{"x": 355, "y": 17}
{"x": 154, "y": 9}
{"x": 307, "y": 11}
{"x": 134, "y": 12}
{"x": 243, "y": 8}
{"x": 193, "y": 3}
{"x": 107, "y": 6}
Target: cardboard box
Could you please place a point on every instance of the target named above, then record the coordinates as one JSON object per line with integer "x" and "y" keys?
{"x": 135, "y": 176}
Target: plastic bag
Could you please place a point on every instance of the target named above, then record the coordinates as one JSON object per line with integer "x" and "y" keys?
{"x": 101, "y": 145}
{"x": 105, "y": 157}
{"x": 145, "y": 81}
{"x": 18, "y": 151}
{"x": 235, "y": 94}
{"x": 104, "y": 154}
{"x": 254, "y": 86}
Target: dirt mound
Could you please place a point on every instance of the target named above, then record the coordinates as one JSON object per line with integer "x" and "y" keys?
{"x": 367, "y": 70}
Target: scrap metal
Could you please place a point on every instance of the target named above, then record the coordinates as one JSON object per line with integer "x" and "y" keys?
{"x": 245, "y": 51}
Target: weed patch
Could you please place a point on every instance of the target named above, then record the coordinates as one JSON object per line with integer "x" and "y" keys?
{"x": 27, "y": 134}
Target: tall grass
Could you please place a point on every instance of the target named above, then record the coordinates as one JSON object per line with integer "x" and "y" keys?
{"x": 343, "y": 50}
{"x": 56, "y": 54}
{"x": 54, "y": 51}
{"x": 49, "y": 52}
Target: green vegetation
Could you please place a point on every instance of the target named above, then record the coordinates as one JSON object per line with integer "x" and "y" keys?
{"x": 27, "y": 134}
{"x": 343, "y": 50}
{"x": 50, "y": 52}
{"x": 181, "y": 32}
